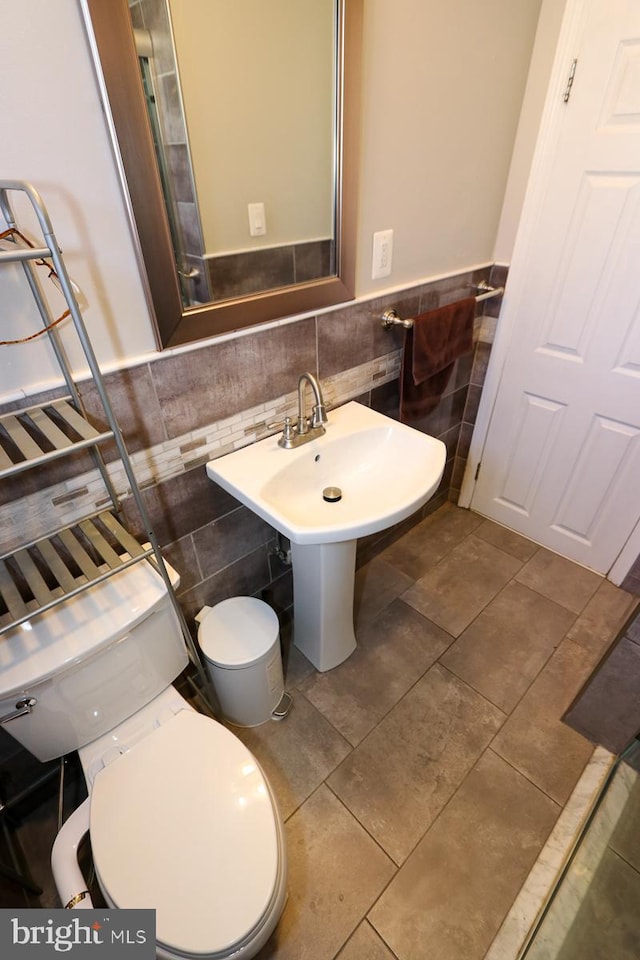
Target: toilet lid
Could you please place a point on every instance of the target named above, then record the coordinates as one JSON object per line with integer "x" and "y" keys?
{"x": 183, "y": 822}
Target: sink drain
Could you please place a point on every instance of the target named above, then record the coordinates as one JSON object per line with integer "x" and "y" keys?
{"x": 332, "y": 494}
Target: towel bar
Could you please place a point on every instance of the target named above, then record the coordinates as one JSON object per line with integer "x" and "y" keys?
{"x": 391, "y": 319}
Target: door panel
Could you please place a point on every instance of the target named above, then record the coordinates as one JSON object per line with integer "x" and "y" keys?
{"x": 561, "y": 462}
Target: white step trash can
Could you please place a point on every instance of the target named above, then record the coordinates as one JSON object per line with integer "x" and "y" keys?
{"x": 240, "y": 642}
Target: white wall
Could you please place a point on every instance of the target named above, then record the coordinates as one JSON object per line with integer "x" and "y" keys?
{"x": 54, "y": 135}
{"x": 442, "y": 84}
{"x": 443, "y": 88}
{"x": 546, "y": 41}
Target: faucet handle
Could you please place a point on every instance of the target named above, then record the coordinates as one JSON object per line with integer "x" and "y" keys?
{"x": 288, "y": 430}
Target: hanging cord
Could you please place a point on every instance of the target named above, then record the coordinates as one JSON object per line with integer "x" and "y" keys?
{"x": 13, "y": 232}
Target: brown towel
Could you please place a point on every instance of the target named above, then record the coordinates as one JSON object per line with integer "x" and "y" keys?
{"x": 431, "y": 347}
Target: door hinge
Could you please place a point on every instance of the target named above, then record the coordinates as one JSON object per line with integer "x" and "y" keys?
{"x": 478, "y": 469}
{"x": 572, "y": 73}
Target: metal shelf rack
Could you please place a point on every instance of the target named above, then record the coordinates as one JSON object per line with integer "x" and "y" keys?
{"x": 44, "y": 432}
{"x": 41, "y": 574}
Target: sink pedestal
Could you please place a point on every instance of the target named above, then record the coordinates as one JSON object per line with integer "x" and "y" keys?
{"x": 323, "y": 581}
{"x": 359, "y": 452}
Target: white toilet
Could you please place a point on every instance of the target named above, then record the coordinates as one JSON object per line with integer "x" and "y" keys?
{"x": 181, "y": 817}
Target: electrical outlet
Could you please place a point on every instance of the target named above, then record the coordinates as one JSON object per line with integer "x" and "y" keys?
{"x": 382, "y": 254}
{"x": 257, "y": 220}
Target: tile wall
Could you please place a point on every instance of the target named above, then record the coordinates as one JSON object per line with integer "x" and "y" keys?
{"x": 183, "y": 409}
{"x": 239, "y": 274}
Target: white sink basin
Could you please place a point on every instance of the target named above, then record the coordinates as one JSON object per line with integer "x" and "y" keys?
{"x": 384, "y": 470}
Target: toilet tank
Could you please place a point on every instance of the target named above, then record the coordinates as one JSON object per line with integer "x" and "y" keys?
{"x": 90, "y": 662}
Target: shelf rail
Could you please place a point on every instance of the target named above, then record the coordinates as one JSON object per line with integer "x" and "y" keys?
{"x": 35, "y": 435}
{"x": 38, "y": 577}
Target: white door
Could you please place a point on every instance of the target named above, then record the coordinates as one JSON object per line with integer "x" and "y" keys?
{"x": 561, "y": 463}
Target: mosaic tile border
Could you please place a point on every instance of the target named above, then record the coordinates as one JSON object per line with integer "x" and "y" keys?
{"x": 64, "y": 503}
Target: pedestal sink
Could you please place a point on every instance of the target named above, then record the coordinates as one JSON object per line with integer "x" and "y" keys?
{"x": 365, "y": 474}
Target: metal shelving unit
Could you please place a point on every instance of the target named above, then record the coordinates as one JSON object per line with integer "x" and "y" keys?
{"x": 42, "y": 433}
{"x": 41, "y": 574}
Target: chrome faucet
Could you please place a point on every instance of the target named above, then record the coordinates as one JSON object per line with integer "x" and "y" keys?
{"x": 306, "y": 428}
{"x": 318, "y": 414}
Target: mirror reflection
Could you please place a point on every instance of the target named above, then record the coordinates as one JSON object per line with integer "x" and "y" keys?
{"x": 242, "y": 99}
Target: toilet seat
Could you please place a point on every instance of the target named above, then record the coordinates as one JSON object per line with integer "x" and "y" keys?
{"x": 183, "y": 822}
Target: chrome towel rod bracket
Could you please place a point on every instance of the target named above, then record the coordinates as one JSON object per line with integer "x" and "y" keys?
{"x": 390, "y": 318}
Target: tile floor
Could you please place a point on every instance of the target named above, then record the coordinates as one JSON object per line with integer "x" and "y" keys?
{"x": 419, "y": 780}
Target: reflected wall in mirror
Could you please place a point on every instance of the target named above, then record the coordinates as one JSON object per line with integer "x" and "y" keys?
{"x": 237, "y": 153}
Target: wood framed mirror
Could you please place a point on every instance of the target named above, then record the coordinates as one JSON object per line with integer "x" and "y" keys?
{"x": 180, "y": 316}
